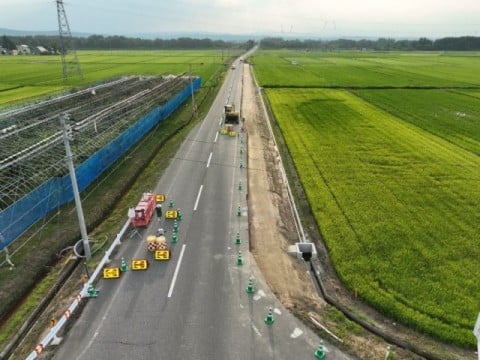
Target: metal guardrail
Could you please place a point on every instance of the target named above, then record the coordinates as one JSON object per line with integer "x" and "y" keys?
{"x": 83, "y": 293}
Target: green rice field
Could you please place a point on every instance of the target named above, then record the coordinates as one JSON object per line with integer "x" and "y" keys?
{"x": 387, "y": 147}
{"x": 28, "y": 77}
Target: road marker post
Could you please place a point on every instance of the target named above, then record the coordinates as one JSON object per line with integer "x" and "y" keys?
{"x": 123, "y": 265}
{"x": 250, "y": 287}
{"x": 239, "y": 259}
{"x": 92, "y": 292}
{"x": 269, "y": 319}
{"x": 320, "y": 352}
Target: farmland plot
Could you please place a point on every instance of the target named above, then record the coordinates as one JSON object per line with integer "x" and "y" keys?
{"x": 396, "y": 197}
{"x": 357, "y": 69}
{"x": 27, "y": 77}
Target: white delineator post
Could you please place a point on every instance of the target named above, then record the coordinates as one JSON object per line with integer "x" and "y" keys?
{"x": 476, "y": 332}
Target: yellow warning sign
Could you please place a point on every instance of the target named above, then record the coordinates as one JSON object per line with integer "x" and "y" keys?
{"x": 162, "y": 255}
{"x": 171, "y": 214}
{"x": 139, "y": 264}
{"x": 159, "y": 198}
{"x": 111, "y": 273}
{"x": 232, "y": 133}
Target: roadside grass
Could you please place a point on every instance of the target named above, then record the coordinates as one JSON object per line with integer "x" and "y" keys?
{"x": 104, "y": 205}
{"x": 395, "y": 204}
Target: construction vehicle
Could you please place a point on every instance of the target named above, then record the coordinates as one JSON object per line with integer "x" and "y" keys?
{"x": 231, "y": 116}
{"x": 157, "y": 241}
{"x": 144, "y": 210}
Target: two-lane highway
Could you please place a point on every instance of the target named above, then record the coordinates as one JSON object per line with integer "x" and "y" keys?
{"x": 194, "y": 306}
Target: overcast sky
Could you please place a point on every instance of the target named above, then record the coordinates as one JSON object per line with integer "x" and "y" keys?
{"x": 315, "y": 18}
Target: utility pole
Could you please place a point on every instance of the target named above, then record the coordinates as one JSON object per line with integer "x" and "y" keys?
{"x": 73, "y": 177}
{"x": 66, "y": 36}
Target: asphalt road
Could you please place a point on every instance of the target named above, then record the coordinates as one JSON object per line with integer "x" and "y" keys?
{"x": 194, "y": 306}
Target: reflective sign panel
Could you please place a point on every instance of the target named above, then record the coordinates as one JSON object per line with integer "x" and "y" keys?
{"x": 162, "y": 255}
{"x": 171, "y": 214}
{"x": 111, "y": 273}
{"x": 139, "y": 264}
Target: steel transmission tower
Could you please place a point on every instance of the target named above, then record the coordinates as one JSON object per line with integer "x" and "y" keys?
{"x": 69, "y": 55}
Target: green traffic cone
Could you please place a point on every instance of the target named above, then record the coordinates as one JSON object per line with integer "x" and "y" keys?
{"x": 237, "y": 239}
{"x": 320, "y": 352}
{"x": 175, "y": 226}
{"x": 170, "y": 204}
{"x": 179, "y": 215}
{"x": 239, "y": 211}
{"x": 241, "y": 150}
{"x": 239, "y": 259}
{"x": 123, "y": 265}
{"x": 250, "y": 287}
{"x": 240, "y": 185}
{"x": 269, "y": 320}
{"x": 241, "y": 164}
{"x": 92, "y": 292}
{"x": 174, "y": 238}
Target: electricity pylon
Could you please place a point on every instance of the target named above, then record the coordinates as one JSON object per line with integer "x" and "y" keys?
{"x": 69, "y": 55}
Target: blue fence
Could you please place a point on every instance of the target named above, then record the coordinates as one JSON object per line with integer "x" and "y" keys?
{"x": 56, "y": 192}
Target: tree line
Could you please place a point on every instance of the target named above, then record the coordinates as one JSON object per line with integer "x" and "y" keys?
{"x": 94, "y": 42}
{"x": 464, "y": 43}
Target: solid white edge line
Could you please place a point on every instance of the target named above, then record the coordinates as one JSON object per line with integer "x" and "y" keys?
{"x": 209, "y": 159}
{"x": 198, "y": 198}
{"x": 172, "y": 285}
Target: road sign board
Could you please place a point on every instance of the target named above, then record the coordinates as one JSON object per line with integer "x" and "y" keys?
{"x": 111, "y": 273}
{"x": 139, "y": 264}
{"x": 160, "y": 198}
{"x": 162, "y": 255}
{"x": 171, "y": 214}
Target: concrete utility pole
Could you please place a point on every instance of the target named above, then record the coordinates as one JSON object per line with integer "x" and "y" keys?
{"x": 73, "y": 177}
